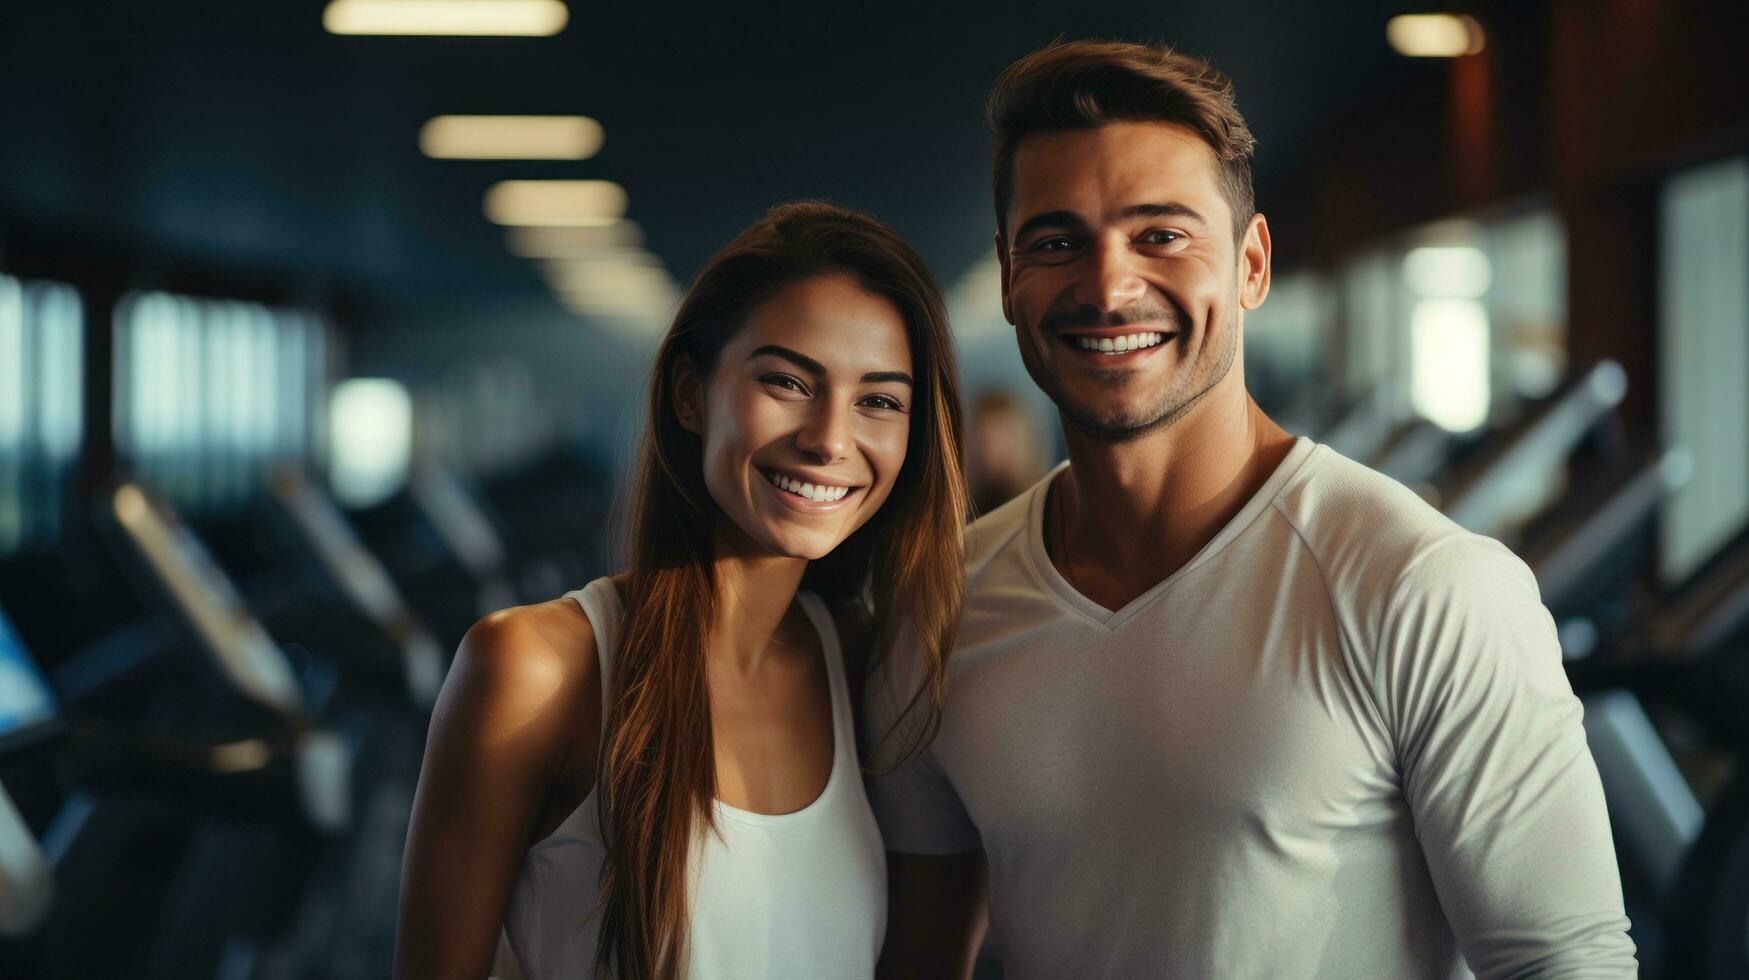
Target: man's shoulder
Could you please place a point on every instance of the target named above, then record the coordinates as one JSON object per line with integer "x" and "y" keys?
{"x": 1366, "y": 531}
{"x": 1001, "y": 530}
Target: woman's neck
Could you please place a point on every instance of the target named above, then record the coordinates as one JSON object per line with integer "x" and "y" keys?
{"x": 754, "y": 593}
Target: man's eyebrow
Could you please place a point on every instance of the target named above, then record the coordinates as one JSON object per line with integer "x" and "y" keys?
{"x": 878, "y": 377}
{"x": 1049, "y": 219}
{"x": 1168, "y": 209}
{"x": 1069, "y": 219}
{"x": 802, "y": 361}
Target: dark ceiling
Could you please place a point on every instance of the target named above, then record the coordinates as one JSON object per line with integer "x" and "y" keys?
{"x": 242, "y": 132}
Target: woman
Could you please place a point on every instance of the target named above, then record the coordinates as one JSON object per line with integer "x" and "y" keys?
{"x": 656, "y": 776}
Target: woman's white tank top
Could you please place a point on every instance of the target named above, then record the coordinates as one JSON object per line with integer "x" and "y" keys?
{"x": 800, "y": 894}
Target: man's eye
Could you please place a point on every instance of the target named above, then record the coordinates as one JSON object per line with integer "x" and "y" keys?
{"x": 1160, "y": 237}
{"x": 1058, "y": 244}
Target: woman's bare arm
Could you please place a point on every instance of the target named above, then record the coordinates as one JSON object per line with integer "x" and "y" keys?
{"x": 520, "y": 711}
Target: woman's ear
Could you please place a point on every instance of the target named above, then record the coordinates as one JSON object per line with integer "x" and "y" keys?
{"x": 688, "y": 397}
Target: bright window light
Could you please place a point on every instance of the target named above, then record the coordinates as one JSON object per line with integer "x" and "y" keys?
{"x": 474, "y": 18}
{"x": 598, "y": 203}
{"x": 510, "y": 138}
{"x": 1434, "y": 35}
{"x": 1449, "y": 363}
{"x": 567, "y": 242}
{"x": 11, "y": 367}
{"x": 1448, "y": 271}
{"x": 370, "y": 424}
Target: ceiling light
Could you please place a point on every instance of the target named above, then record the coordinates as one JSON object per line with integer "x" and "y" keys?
{"x": 510, "y": 138}
{"x": 602, "y": 261}
{"x": 556, "y": 202}
{"x": 618, "y": 280}
{"x": 1434, "y": 35}
{"x": 474, "y": 18}
{"x": 558, "y": 242}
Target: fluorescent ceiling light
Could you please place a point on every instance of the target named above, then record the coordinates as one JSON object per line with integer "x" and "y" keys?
{"x": 559, "y": 242}
{"x": 556, "y": 202}
{"x": 474, "y": 18}
{"x": 1434, "y": 35}
{"x": 617, "y": 278}
{"x": 604, "y": 263}
{"x": 510, "y": 138}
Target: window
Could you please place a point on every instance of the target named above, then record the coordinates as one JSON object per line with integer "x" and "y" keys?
{"x": 1459, "y": 322}
{"x": 210, "y": 394}
{"x": 1704, "y": 356}
{"x": 41, "y": 400}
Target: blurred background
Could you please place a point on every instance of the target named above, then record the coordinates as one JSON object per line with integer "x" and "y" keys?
{"x": 323, "y": 329}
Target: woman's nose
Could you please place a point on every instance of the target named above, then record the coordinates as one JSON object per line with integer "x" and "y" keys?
{"x": 826, "y": 433}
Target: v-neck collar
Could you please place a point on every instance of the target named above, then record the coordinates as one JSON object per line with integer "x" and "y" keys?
{"x": 1066, "y": 595}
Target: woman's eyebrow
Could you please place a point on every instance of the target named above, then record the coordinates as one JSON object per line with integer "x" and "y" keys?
{"x": 807, "y": 363}
{"x": 800, "y": 360}
{"x": 877, "y": 377}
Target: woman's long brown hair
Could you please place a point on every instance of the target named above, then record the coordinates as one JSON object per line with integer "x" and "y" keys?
{"x": 657, "y": 776}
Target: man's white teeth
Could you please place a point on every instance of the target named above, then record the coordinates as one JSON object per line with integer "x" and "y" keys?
{"x": 1119, "y": 345}
{"x": 818, "y": 493}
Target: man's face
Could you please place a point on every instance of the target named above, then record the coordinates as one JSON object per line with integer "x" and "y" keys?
{"x": 1121, "y": 276}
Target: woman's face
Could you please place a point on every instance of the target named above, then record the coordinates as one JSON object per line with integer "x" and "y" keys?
{"x": 806, "y": 416}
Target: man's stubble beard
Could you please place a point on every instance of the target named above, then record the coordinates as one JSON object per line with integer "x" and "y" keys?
{"x": 1116, "y": 426}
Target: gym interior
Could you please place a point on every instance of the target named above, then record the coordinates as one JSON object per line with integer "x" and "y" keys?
{"x": 322, "y": 335}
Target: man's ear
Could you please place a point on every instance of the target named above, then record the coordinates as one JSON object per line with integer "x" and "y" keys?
{"x": 1254, "y": 251}
{"x": 688, "y": 395}
{"x": 1002, "y": 260}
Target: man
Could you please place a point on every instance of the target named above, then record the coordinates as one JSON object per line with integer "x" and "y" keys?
{"x": 1224, "y": 703}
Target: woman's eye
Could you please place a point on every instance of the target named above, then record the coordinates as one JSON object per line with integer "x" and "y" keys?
{"x": 887, "y": 402}
{"x": 785, "y": 382}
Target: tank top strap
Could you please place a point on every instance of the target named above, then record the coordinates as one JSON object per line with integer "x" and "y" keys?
{"x": 601, "y": 604}
{"x": 843, "y": 718}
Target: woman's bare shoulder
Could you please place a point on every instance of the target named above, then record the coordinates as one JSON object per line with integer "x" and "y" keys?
{"x": 530, "y": 664}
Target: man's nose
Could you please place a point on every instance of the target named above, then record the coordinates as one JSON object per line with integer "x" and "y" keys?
{"x": 1111, "y": 277}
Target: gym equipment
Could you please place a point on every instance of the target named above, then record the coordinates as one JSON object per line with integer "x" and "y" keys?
{"x": 364, "y": 580}
{"x": 27, "y": 712}
{"x": 1688, "y": 655}
{"x": 1506, "y": 481}
{"x": 442, "y": 551}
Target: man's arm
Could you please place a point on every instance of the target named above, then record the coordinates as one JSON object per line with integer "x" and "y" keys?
{"x": 1506, "y": 799}
{"x": 936, "y": 915}
{"x": 935, "y": 859}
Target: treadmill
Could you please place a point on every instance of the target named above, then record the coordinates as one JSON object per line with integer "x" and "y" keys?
{"x": 1502, "y": 486}
{"x": 28, "y": 714}
{"x": 1689, "y": 655}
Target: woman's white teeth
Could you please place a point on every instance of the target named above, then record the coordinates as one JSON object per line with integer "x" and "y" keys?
{"x": 1119, "y": 345}
{"x": 817, "y": 492}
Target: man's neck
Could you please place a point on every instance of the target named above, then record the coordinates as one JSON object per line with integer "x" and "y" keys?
{"x": 1126, "y": 515}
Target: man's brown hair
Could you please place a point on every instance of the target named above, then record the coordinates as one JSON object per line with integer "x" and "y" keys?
{"x": 1087, "y": 84}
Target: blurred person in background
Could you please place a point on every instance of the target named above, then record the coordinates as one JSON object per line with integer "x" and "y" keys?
{"x": 1224, "y": 703}
{"x": 657, "y": 775}
{"x": 1004, "y": 450}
